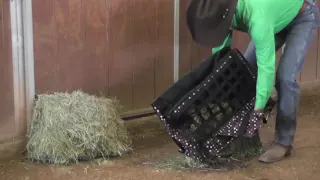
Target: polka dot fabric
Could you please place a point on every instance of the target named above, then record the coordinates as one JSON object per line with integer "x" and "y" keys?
{"x": 236, "y": 125}
{"x": 255, "y": 123}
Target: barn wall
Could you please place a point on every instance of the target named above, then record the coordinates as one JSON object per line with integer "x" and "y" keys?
{"x": 119, "y": 48}
{"x": 7, "y": 123}
{"x": 191, "y": 54}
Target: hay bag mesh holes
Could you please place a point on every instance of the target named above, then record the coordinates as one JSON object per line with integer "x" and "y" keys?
{"x": 206, "y": 112}
{"x": 67, "y": 128}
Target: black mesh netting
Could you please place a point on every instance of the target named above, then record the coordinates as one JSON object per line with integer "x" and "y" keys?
{"x": 206, "y": 112}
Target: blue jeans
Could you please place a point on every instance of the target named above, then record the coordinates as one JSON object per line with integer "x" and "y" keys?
{"x": 297, "y": 37}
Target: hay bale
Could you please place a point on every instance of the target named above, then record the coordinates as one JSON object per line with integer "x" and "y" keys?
{"x": 67, "y": 128}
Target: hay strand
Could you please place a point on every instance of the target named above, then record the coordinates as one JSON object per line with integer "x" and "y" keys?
{"x": 180, "y": 163}
{"x": 237, "y": 156}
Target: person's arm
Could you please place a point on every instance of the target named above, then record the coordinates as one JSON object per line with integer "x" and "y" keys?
{"x": 226, "y": 43}
{"x": 262, "y": 33}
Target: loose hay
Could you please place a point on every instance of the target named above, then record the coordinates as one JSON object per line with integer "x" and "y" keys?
{"x": 236, "y": 156}
{"x": 181, "y": 163}
{"x": 67, "y": 128}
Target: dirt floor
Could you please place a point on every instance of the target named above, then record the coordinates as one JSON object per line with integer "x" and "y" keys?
{"x": 152, "y": 144}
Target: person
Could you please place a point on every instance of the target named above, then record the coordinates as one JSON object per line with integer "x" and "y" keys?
{"x": 271, "y": 24}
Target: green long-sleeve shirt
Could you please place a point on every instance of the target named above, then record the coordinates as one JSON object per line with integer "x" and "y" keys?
{"x": 262, "y": 19}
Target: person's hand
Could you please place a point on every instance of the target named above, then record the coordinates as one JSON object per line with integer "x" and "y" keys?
{"x": 255, "y": 122}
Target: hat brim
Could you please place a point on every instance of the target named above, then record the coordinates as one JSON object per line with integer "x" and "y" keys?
{"x": 210, "y": 36}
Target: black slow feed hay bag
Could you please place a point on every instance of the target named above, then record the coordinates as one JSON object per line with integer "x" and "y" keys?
{"x": 209, "y": 108}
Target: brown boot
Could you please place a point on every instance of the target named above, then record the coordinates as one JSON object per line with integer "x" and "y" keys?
{"x": 276, "y": 153}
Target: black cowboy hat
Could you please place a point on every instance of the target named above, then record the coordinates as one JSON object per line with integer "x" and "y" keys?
{"x": 209, "y": 21}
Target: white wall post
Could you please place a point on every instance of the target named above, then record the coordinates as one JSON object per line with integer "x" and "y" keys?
{"x": 176, "y": 58}
{"x": 28, "y": 57}
{"x": 23, "y": 61}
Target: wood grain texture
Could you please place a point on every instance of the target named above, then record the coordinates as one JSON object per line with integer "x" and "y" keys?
{"x": 186, "y": 44}
{"x": 71, "y": 67}
{"x": 191, "y": 54}
{"x": 95, "y": 52}
{"x": 121, "y": 43}
{"x": 164, "y": 50}
{"x": 122, "y": 49}
{"x": 7, "y": 123}
{"x": 240, "y": 41}
{"x": 145, "y": 32}
{"x": 45, "y": 45}
{"x": 119, "y": 48}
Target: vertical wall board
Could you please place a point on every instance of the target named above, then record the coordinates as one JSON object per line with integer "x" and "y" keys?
{"x": 45, "y": 46}
{"x": 145, "y": 31}
{"x": 186, "y": 43}
{"x": 164, "y": 50}
{"x": 7, "y": 110}
{"x": 71, "y": 66}
{"x": 121, "y": 44}
{"x": 191, "y": 54}
{"x": 95, "y": 54}
{"x": 121, "y": 49}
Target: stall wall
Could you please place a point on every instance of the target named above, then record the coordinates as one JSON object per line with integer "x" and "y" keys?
{"x": 190, "y": 53}
{"x": 120, "y": 48}
{"x": 7, "y": 122}
{"x": 117, "y": 48}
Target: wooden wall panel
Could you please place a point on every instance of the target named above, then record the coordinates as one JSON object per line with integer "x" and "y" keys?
{"x": 120, "y": 25}
{"x": 240, "y": 41}
{"x": 117, "y": 48}
{"x": 71, "y": 67}
{"x": 191, "y": 54}
{"x": 164, "y": 41}
{"x": 45, "y": 46}
{"x": 145, "y": 47}
{"x": 95, "y": 52}
{"x": 7, "y": 124}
